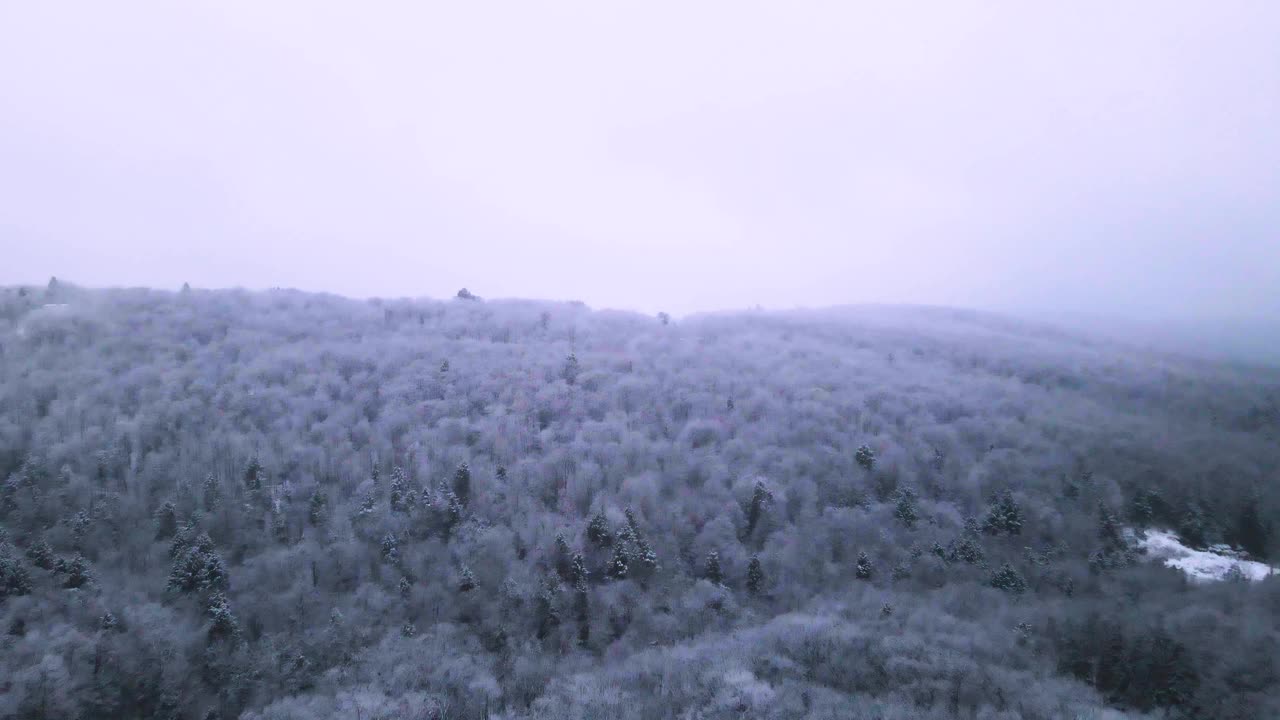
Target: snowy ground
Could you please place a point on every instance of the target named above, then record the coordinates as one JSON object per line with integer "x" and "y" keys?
{"x": 1201, "y": 565}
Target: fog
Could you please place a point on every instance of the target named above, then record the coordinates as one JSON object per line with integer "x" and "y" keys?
{"x": 1092, "y": 159}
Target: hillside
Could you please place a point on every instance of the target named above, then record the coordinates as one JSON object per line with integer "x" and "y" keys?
{"x": 288, "y": 505}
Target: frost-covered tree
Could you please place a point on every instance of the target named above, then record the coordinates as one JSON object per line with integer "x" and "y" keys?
{"x": 253, "y": 475}
{"x": 166, "y": 518}
{"x": 578, "y": 569}
{"x": 755, "y": 576}
{"x": 15, "y": 579}
{"x": 1008, "y": 579}
{"x": 466, "y": 580}
{"x": 571, "y": 369}
{"x": 711, "y": 568}
{"x": 865, "y": 457}
{"x": 222, "y": 621}
{"x": 938, "y": 550}
{"x": 1004, "y": 517}
{"x": 582, "y": 608}
{"x": 211, "y": 493}
{"x": 318, "y": 508}
{"x": 619, "y": 566}
{"x": 545, "y": 609}
{"x": 1193, "y": 526}
{"x": 40, "y": 554}
{"x": 967, "y": 549}
{"x": 1252, "y": 532}
{"x": 75, "y": 572}
{"x": 598, "y": 532}
{"x": 642, "y": 555}
{"x": 905, "y": 508}
{"x": 865, "y": 569}
{"x": 462, "y": 483}
{"x": 197, "y": 566}
{"x": 761, "y": 497}
{"x": 1141, "y": 512}
{"x": 390, "y": 548}
{"x": 1109, "y": 531}
{"x": 80, "y": 524}
{"x": 563, "y": 558}
{"x": 1113, "y": 553}
{"x": 453, "y": 511}
{"x": 401, "y": 496}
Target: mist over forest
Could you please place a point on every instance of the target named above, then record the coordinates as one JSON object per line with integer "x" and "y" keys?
{"x": 282, "y": 505}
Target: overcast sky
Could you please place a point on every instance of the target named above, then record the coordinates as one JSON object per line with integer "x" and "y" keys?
{"x": 1109, "y": 157}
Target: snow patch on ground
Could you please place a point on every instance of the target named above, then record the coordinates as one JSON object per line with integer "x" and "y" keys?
{"x": 1200, "y": 565}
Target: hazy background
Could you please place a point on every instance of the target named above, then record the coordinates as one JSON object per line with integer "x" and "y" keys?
{"x": 1084, "y": 160}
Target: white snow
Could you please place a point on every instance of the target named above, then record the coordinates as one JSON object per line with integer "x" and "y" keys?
{"x": 1200, "y": 565}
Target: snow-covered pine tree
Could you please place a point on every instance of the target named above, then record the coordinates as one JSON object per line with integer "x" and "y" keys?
{"x": 905, "y": 508}
{"x": 598, "y": 532}
{"x": 466, "y": 580}
{"x": 711, "y": 569}
{"x": 1004, "y": 517}
{"x": 865, "y": 568}
{"x": 462, "y": 483}
{"x": 1008, "y": 579}
{"x": 618, "y": 568}
{"x": 755, "y": 576}
{"x": 865, "y": 457}
{"x": 761, "y": 496}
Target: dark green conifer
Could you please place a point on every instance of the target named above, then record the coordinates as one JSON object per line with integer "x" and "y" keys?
{"x": 755, "y": 576}
{"x": 905, "y": 508}
{"x": 1008, "y": 580}
{"x": 1004, "y": 517}
{"x": 598, "y": 532}
{"x": 462, "y": 483}
{"x": 865, "y": 457}
{"x": 865, "y": 568}
{"x": 166, "y": 518}
{"x": 711, "y": 570}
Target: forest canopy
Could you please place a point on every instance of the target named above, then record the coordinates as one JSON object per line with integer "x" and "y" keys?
{"x": 280, "y": 505}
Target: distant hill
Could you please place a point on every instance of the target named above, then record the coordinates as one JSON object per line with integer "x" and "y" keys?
{"x": 223, "y": 503}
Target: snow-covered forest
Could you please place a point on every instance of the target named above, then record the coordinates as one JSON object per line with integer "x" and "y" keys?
{"x": 280, "y": 505}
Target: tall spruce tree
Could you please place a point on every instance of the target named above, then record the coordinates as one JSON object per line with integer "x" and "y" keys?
{"x": 581, "y": 604}
{"x": 462, "y": 483}
{"x": 598, "y": 532}
{"x": 865, "y": 569}
{"x": 619, "y": 567}
{"x": 755, "y": 576}
{"x": 563, "y": 558}
{"x": 711, "y": 570}
{"x": 402, "y": 496}
{"x": 1004, "y": 517}
{"x": 1008, "y": 579}
{"x": 865, "y": 457}
{"x": 905, "y": 508}
{"x": 1252, "y": 532}
{"x": 761, "y": 497}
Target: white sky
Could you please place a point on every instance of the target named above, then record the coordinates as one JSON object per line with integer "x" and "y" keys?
{"x": 1095, "y": 157}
